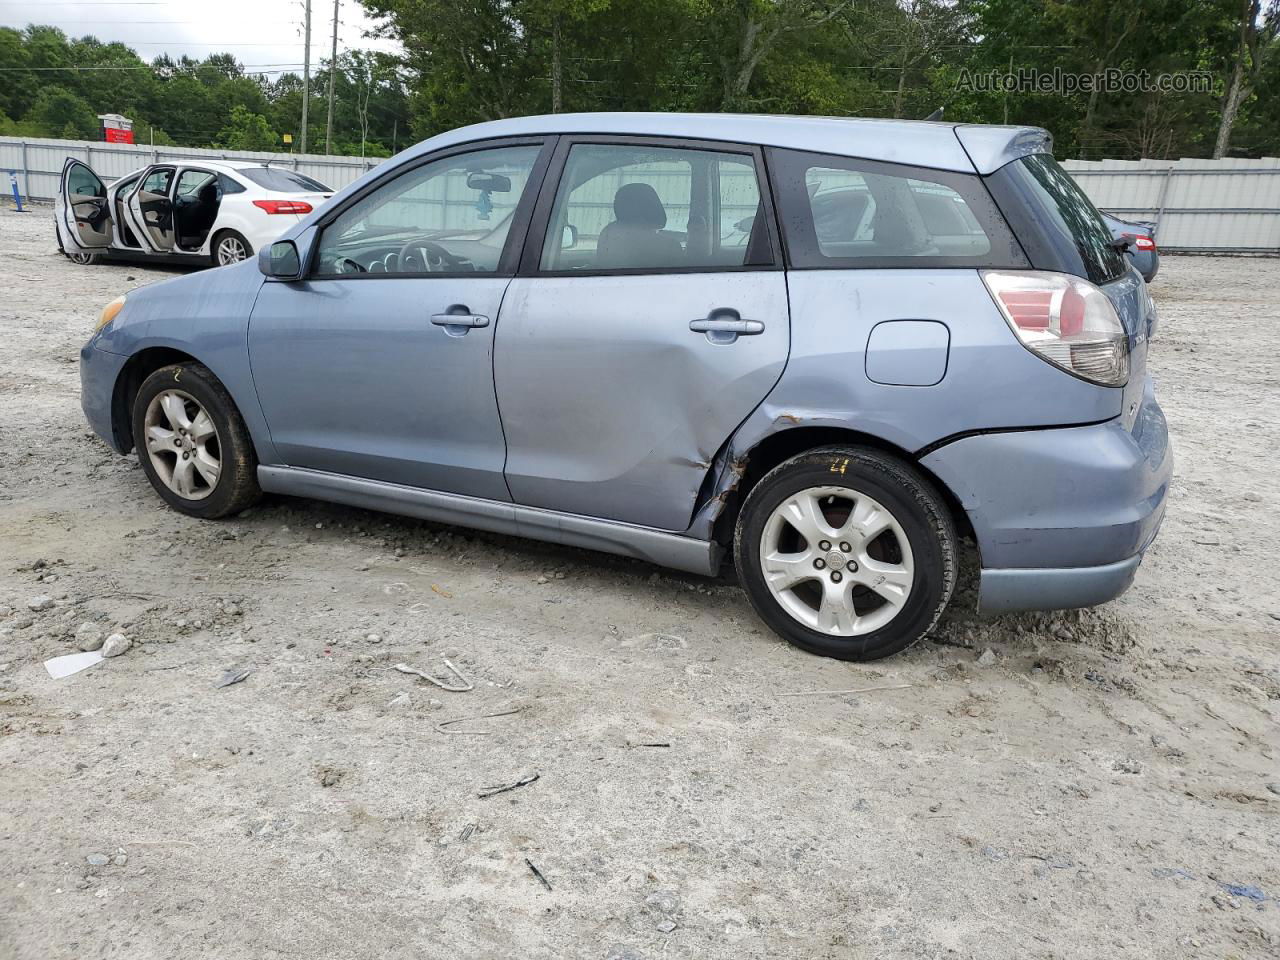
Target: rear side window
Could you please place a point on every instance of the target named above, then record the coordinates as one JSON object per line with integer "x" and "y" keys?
{"x": 651, "y": 209}
{"x": 282, "y": 181}
{"x": 1058, "y": 226}
{"x": 227, "y": 185}
{"x": 841, "y": 212}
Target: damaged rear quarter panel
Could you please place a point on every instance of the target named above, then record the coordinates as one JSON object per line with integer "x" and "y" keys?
{"x": 991, "y": 382}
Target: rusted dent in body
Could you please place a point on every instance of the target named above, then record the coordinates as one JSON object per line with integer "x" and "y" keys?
{"x": 786, "y": 418}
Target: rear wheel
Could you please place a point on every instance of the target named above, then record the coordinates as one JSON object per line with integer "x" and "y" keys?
{"x": 192, "y": 443}
{"x": 846, "y": 552}
{"x": 229, "y": 247}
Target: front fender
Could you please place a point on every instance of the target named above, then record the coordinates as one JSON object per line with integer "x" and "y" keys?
{"x": 206, "y": 316}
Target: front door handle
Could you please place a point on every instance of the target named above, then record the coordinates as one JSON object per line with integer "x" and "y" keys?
{"x": 457, "y": 320}
{"x": 726, "y": 326}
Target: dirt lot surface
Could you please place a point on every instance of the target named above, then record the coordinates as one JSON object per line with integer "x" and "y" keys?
{"x": 1100, "y": 784}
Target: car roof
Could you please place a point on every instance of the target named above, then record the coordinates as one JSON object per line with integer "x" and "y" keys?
{"x": 943, "y": 146}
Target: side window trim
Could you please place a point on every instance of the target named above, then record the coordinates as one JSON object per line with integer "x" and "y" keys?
{"x": 516, "y": 236}
{"x": 530, "y": 261}
{"x": 801, "y": 237}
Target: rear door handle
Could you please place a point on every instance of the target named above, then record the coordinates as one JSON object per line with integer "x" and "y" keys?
{"x": 726, "y": 326}
{"x": 458, "y": 320}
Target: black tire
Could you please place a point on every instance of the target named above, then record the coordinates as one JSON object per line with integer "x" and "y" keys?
{"x": 236, "y": 487}
{"x": 906, "y": 494}
{"x": 83, "y": 258}
{"x": 222, "y": 235}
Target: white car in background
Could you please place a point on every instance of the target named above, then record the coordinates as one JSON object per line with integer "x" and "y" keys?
{"x": 192, "y": 212}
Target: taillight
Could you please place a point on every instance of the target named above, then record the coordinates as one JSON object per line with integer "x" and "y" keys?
{"x": 1065, "y": 320}
{"x": 283, "y": 206}
{"x": 1140, "y": 241}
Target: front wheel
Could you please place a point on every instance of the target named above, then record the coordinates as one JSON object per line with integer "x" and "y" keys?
{"x": 192, "y": 443}
{"x": 846, "y": 552}
{"x": 83, "y": 257}
{"x": 230, "y": 247}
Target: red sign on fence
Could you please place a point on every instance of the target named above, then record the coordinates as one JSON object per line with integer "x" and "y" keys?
{"x": 113, "y": 135}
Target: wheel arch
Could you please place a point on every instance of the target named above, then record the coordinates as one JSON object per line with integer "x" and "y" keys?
{"x": 139, "y": 366}
{"x": 722, "y": 500}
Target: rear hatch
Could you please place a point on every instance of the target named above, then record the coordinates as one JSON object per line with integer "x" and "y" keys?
{"x": 1061, "y": 230}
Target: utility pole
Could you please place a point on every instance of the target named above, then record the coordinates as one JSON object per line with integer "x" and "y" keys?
{"x": 306, "y": 76}
{"x": 333, "y": 75}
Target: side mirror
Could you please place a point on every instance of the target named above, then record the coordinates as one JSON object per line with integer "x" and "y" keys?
{"x": 568, "y": 237}
{"x": 281, "y": 261}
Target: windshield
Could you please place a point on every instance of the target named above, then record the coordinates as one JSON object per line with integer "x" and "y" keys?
{"x": 282, "y": 181}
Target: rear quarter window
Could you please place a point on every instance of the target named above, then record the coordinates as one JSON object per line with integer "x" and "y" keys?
{"x": 840, "y": 212}
{"x": 1055, "y": 222}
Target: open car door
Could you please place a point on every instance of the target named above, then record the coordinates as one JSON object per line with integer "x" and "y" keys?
{"x": 84, "y": 217}
{"x": 150, "y": 209}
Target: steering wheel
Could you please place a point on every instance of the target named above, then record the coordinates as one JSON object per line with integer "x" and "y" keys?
{"x": 347, "y": 265}
{"x": 433, "y": 257}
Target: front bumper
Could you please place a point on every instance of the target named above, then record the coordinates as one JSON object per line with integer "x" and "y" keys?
{"x": 1062, "y": 516}
{"x": 99, "y": 371}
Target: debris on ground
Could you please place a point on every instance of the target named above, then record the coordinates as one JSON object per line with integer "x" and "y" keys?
{"x": 232, "y": 675}
{"x": 70, "y": 663}
{"x": 462, "y": 687}
{"x": 537, "y": 873}
{"x": 446, "y": 726}
{"x": 494, "y": 791}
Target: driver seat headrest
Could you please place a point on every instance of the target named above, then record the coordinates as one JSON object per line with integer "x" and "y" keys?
{"x": 637, "y": 204}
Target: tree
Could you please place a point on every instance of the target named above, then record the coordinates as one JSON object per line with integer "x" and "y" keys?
{"x": 247, "y": 131}
{"x": 1257, "y": 30}
{"x": 61, "y": 113}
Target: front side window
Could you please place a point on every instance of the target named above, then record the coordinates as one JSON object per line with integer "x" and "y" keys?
{"x": 83, "y": 182}
{"x": 157, "y": 182}
{"x": 448, "y": 216}
{"x": 842, "y": 212}
{"x": 641, "y": 208}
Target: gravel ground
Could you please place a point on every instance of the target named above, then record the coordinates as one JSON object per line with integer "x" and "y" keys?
{"x": 1101, "y": 784}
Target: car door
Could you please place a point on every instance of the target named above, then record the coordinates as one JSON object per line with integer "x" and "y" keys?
{"x": 379, "y": 362}
{"x": 650, "y": 318}
{"x": 196, "y": 198}
{"x": 150, "y": 209}
{"x": 84, "y": 214}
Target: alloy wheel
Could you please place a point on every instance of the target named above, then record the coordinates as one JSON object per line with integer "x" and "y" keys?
{"x": 182, "y": 443}
{"x": 837, "y": 560}
{"x": 231, "y": 250}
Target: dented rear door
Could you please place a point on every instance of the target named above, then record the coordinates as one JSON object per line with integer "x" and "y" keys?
{"x": 618, "y": 382}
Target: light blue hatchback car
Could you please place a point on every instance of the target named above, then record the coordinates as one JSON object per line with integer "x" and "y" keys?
{"x": 822, "y": 348}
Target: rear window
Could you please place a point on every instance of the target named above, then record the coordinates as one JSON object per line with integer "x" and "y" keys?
{"x": 282, "y": 181}
{"x": 1057, "y": 224}
{"x": 842, "y": 212}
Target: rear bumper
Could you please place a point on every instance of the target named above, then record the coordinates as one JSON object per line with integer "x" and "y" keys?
{"x": 1062, "y": 516}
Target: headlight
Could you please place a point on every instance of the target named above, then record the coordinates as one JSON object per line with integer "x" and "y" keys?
{"x": 109, "y": 313}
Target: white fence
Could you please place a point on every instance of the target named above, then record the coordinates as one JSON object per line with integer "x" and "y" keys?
{"x": 38, "y": 163}
{"x": 1199, "y": 206}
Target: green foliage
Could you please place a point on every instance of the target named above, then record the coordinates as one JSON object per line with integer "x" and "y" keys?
{"x": 247, "y": 131}
{"x": 59, "y": 110}
{"x": 486, "y": 59}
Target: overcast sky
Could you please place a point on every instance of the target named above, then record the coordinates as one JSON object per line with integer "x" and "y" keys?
{"x": 264, "y": 35}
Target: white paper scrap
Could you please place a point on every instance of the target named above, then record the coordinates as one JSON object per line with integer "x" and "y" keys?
{"x": 60, "y": 667}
